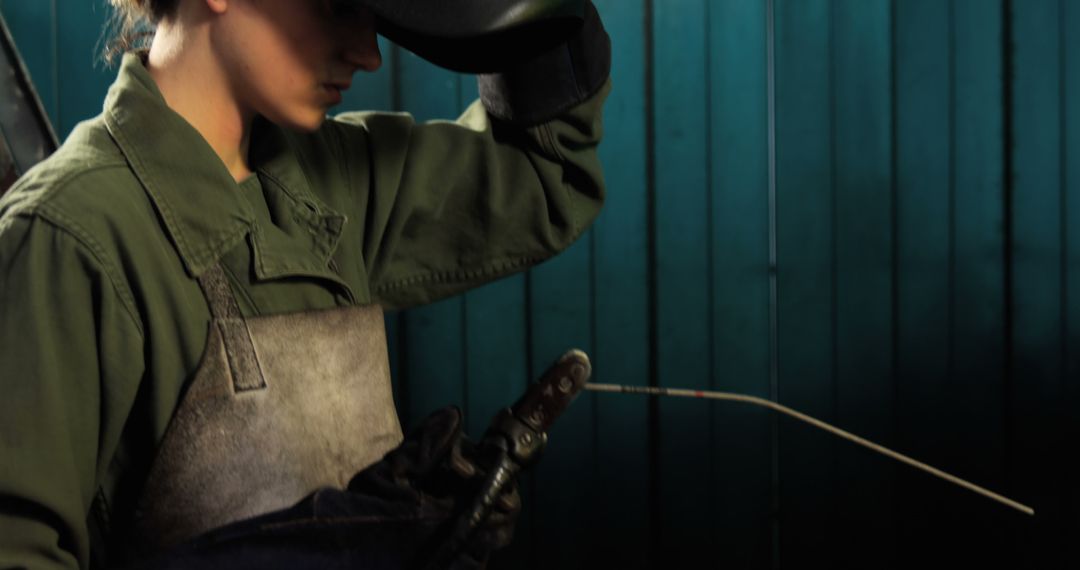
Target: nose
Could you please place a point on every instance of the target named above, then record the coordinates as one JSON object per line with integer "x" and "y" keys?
{"x": 364, "y": 54}
{"x": 361, "y": 42}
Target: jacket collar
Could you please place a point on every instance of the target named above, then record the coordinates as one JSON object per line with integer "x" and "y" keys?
{"x": 196, "y": 196}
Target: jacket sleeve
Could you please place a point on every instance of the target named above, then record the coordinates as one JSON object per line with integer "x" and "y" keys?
{"x": 62, "y": 326}
{"x": 450, "y": 205}
{"x": 445, "y": 206}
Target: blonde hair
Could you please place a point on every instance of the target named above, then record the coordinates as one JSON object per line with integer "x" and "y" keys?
{"x": 132, "y": 24}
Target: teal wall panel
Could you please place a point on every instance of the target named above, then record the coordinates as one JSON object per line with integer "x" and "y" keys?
{"x": 806, "y": 278}
{"x": 34, "y": 28}
{"x": 1071, "y": 151}
{"x": 681, "y": 232}
{"x": 950, "y": 275}
{"x": 81, "y": 78}
{"x": 496, "y": 363}
{"x": 621, "y": 496}
{"x": 1036, "y": 312}
{"x": 972, "y": 428}
{"x": 741, "y": 487}
{"x": 923, "y": 214}
{"x": 863, "y": 273}
{"x": 560, "y": 308}
{"x": 868, "y": 210}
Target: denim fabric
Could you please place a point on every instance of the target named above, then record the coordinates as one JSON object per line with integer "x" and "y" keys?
{"x": 330, "y": 529}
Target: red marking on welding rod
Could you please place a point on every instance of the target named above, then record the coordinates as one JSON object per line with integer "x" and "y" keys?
{"x": 699, "y": 394}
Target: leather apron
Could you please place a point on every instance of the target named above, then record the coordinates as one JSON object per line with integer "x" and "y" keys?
{"x": 279, "y": 407}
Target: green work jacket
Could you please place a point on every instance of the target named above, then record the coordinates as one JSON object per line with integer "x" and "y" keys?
{"x": 102, "y": 321}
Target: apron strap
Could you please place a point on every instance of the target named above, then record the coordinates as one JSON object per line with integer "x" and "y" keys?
{"x": 243, "y": 362}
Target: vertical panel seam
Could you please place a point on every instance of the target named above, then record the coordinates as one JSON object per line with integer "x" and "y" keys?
{"x": 1062, "y": 403}
{"x": 1007, "y": 222}
{"x": 950, "y": 349}
{"x": 894, "y": 207}
{"x": 1065, "y": 250}
{"x": 710, "y": 278}
{"x": 774, "y": 349}
{"x": 653, "y": 414}
{"x": 1063, "y": 218}
{"x": 833, "y": 255}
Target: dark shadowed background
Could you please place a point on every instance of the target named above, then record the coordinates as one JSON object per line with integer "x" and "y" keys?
{"x": 866, "y": 210}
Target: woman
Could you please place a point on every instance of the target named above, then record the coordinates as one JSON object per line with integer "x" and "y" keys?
{"x": 213, "y": 191}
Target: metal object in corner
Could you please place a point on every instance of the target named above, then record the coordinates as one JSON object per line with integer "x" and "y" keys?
{"x": 26, "y": 136}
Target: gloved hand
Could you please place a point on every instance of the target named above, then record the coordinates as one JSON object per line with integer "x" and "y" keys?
{"x": 541, "y": 88}
{"x": 439, "y": 468}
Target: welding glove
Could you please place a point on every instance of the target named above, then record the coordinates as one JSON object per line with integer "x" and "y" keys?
{"x": 439, "y": 467}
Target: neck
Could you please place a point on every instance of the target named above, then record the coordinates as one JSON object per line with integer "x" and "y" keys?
{"x": 197, "y": 88}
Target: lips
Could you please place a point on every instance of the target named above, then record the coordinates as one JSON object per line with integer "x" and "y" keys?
{"x": 333, "y": 92}
{"x": 339, "y": 85}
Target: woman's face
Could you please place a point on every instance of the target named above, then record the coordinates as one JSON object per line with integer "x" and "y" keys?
{"x": 289, "y": 60}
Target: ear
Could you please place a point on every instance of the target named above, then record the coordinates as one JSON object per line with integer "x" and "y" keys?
{"x": 217, "y": 6}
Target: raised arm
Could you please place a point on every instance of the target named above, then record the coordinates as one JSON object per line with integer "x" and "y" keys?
{"x": 516, "y": 179}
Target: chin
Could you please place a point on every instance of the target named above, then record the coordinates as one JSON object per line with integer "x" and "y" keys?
{"x": 306, "y": 122}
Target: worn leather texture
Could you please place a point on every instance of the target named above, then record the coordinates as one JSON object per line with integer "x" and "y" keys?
{"x": 325, "y": 413}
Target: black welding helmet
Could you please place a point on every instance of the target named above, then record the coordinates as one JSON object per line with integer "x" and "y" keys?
{"x": 476, "y": 36}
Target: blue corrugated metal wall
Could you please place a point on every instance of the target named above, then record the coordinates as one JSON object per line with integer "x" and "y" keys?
{"x": 868, "y": 210}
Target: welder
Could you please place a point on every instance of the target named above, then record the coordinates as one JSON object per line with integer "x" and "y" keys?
{"x": 194, "y": 366}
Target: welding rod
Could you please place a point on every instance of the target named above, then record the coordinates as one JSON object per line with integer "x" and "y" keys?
{"x": 732, "y": 397}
